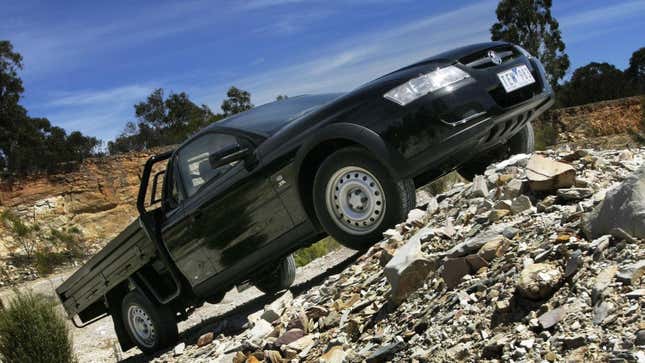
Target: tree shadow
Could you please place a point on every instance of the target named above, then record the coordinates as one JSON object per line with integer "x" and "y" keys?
{"x": 236, "y": 319}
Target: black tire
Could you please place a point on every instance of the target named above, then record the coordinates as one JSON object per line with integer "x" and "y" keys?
{"x": 279, "y": 278}
{"x": 523, "y": 142}
{"x": 161, "y": 319}
{"x": 397, "y": 199}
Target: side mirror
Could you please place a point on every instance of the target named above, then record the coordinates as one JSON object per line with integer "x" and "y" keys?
{"x": 228, "y": 155}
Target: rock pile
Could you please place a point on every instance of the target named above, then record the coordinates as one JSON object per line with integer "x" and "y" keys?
{"x": 498, "y": 269}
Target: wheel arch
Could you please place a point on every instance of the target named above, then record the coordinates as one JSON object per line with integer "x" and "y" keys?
{"x": 329, "y": 139}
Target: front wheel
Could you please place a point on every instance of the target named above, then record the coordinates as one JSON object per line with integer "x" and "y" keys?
{"x": 356, "y": 199}
{"x": 151, "y": 326}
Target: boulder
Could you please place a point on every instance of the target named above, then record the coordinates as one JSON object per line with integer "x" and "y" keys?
{"x": 539, "y": 280}
{"x": 623, "y": 207}
{"x": 545, "y": 174}
{"x": 407, "y": 270}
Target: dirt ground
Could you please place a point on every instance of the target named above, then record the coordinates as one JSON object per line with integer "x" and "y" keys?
{"x": 97, "y": 342}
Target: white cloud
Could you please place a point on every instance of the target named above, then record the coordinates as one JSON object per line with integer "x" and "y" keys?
{"x": 353, "y": 61}
{"x": 604, "y": 14}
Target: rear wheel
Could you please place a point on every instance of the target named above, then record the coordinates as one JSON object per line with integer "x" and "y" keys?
{"x": 151, "y": 326}
{"x": 281, "y": 277}
{"x": 356, "y": 199}
{"x": 523, "y": 142}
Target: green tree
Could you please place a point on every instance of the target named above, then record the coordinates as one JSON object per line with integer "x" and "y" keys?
{"x": 635, "y": 73}
{"x": 237, "y": 101}
{"x": 530, "y": 24}
{"x": 592, "y": 83}
{"x": 281, "y": 97}
{"x": 27, "y": 144}
{"x": 162, "y": 121}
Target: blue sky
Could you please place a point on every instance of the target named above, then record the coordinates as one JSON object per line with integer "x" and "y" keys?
{"x": 88, "y": 62}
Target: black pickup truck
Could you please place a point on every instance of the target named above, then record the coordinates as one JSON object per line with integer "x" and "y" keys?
{"x": 231, "y": 204}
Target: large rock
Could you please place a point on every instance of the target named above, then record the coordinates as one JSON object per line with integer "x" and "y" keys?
{"x": 407, "y": 270}
{"x": 539, "y": 280}
{"x": 623, "y": 207}
{"x": 546, "y": 174}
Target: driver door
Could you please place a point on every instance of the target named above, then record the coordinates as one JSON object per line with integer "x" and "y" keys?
{"x": 229, "y": 209}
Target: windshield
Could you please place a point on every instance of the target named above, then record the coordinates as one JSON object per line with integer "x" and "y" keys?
{"x": 269, "y": 118}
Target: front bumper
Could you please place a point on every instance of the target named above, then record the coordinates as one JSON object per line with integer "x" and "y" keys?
{"x": 446, "y": 128}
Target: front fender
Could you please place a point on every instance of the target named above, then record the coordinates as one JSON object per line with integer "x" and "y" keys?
{"x": 354, "y": 134}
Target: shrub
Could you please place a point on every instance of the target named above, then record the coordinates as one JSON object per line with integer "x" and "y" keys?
{"x": 31, "y": 330}
{"x": 22, "y": 233}
{"x": 46, "y": 260}
{"x": 305, "y": 255}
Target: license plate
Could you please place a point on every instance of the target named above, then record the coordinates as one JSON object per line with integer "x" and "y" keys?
{"x": 516, "y": 77}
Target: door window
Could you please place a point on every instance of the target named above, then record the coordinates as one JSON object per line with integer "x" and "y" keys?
{"x": 194, "y": 160}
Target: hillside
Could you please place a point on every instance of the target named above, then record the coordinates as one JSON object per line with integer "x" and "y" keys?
{"x": 509, "y": 267}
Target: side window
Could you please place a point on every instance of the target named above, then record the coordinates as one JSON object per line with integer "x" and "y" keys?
{"x": 173, "y": 197}
{"x": 194, "y": 160}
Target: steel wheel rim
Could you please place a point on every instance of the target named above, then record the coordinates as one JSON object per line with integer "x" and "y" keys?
{"x": 355, "y": 200}
{"x": 141, "y": 326}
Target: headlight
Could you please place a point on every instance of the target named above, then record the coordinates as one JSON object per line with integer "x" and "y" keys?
{"x": 422, "y": 85}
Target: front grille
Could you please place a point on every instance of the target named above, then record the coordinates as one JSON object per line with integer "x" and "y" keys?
{"x": 480, "y": 59}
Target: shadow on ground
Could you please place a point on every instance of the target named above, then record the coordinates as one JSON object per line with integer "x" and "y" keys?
{"x": 236, "y": 318}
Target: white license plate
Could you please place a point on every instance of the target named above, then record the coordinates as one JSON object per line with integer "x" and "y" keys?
{"x": 516, "y": 77}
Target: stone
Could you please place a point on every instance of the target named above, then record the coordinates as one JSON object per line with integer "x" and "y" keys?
{"x": 574, "y": 194}
{"x": 631, "y": 274}
{"x": 552, "y": 317}
{"x": 302, "y": 343}
{"x": 407, "y": 270}
{"x": 512, "y": 189}
{"x": 503, "y": 204}
{"x": 546, "y": 203}
{"x": 273, "y": 311}
{"x": 205, "y": 339}
{"x": 545, "y": 174}
{"x": 479, "y": 187}
{"x": 573, "y": 342}
{"x": 539, "y": 280}
{"x": 495, "y": 247}
{"x": 604, "y": 278}
{"x": 601, "y": 311}
{"x": 476, "y": 262}
{"x": 415, "y": 217}
{"x": 179, "y": 349}
{"x": 640, "y": 338}
{"x": 335, "y": 354}
{"x": 289, "y": 337}
{"x": 384, "y": 353}
{"x": 454, "y": 269}
{"x": 520, "y": 204}
{"x": 623, "y": 207}
{"x": 261, "y": 329}
{"x": 497, "y": 214}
